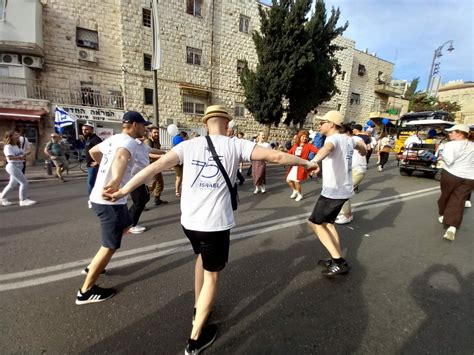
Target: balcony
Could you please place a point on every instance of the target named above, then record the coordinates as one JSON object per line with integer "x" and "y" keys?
{"x": 385, "y": 110}
{"x": 17, "y": 88}
{"x": 387, "y": 89}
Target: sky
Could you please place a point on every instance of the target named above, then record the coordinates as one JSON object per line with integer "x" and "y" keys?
{"x": 407, "y": 33}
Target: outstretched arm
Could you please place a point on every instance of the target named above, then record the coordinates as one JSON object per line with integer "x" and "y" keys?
{"x": 275, "y": 156}
{"x": 167, "y": 161}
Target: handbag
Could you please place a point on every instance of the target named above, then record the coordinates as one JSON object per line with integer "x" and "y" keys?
{"x": 234, "y": 195}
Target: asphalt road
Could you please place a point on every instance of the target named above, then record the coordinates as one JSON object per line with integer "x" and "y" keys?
{"x": 409, "y": 291}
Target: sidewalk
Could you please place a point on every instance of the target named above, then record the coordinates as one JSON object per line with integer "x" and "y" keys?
{"x": 38, "y": 172}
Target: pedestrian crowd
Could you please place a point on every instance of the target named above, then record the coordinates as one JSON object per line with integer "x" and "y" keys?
{"x": 207, "y": 169}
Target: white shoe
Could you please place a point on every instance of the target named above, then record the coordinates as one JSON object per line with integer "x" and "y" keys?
{"x": 379, "y": 168}
{"x": 450, "y": 233}
{"x": 27, "y": 202}
{"x": 440, "y": 219}
{"x": 256, "y": 190}
{"x": 467, "y": 204}
{"x": 341, "y": 219}
{"x": 294, "y": 194}
{"x": 262, "y": 189}
{"x": 137, "y": 229}
{"x": 5, "y": 202}
{"x": 89, "y": 204}
{"x": 299, "y": 197}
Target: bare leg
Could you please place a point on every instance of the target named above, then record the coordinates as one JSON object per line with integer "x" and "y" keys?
{"x": 198, "y": 279}
{"x": 325, "y": 234}
{"x": 97, "y": 265}
{"x": 298, "y": 187}
{"x": 291, "y": 184}
{"x": 205, "y": 301}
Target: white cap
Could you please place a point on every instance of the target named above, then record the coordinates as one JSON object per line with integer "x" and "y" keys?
{"x": 459, "y": 127}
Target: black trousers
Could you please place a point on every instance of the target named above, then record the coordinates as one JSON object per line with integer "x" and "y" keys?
{"x": 240, "y": 177}
{"x": 140, "y": 197}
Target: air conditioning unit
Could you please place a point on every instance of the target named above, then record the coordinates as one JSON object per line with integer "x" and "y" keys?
{"x": 32, "y": 62}
{"x": 87, "y": 56}
{"x": 9, "y": 59}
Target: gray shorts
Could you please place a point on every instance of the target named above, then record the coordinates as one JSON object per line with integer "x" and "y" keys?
{"x": 60, "y": 161}
{"x": 114, "y": 221}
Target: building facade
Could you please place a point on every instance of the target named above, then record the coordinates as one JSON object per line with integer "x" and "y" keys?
{"x": 93, "y": 59}
{"x": 462, "y": 93}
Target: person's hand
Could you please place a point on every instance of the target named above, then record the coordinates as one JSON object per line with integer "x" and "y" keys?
{"x": 312, "y": 167}
{"x": 94, "y": 164}
{"x": 117, "y": 195}
{"x": 112, "y": 186}
{"x": 52, "y": 156}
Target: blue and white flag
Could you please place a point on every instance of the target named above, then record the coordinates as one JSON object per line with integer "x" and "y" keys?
{"x": 62, "y": 119}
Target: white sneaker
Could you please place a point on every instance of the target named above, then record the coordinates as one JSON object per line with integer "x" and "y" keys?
{"x": 379, "y": 168}
{"x": 294, "y": 194}
{"x": 440, "y": 219}
{"x": 450, "y": 233}
{"x": 262, "y": 189}
{"x": 467, "y": 204}
{"x": 256, "y": 190}
{"x": 299, "y": 197}
{"x": 5, "y": 202}
{"x": 89, "y": 204}
{"x": 137, "y": 229}
{"x": 27, "y": 202}
{"x": 341, "y": 219}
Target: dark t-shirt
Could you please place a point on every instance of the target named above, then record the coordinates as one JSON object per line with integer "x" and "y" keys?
{"x": 365, "y": 138}
{"x": 90, "y": 142}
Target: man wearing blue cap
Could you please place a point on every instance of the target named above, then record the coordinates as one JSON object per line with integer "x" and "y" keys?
{"x": 116, "y": 156}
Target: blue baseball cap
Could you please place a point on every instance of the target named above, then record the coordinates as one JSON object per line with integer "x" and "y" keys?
{"x": 134, "y": 117}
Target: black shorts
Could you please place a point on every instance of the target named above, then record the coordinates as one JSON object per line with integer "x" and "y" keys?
{"x": 213, "y": 247}
{"x": 114, "y": 221}
{"x": 326, "y": 210}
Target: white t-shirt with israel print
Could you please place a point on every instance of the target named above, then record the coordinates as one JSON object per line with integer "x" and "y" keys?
{"x": 108, "y": 148}
{"x": 205, "y": 198}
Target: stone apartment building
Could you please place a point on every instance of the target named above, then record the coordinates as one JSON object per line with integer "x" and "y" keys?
{"x": 462, "y": 93}
{"x": 93, "y": 59}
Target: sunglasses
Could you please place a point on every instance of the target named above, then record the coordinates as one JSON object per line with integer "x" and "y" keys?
{"x": 323, "y": 122}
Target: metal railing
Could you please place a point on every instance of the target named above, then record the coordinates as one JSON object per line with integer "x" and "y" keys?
{"x": 34, "y": 89}
{"x": 385, "y": 107}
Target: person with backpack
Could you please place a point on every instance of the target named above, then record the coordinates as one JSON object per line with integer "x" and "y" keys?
{"x": 55, "y": 151}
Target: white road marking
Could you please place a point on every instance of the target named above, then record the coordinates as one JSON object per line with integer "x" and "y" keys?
{"x": 133, "y": 256}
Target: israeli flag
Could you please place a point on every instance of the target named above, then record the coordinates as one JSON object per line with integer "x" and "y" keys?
{"x": 62, "y": 119}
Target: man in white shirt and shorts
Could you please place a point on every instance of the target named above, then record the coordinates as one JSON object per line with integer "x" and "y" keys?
{"x": 206, "y": 209}
{"x": 336, "y": 157}
{"x": 117, "y": 156}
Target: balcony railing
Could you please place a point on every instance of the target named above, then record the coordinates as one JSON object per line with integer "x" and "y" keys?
{"x": 33, "y": 89}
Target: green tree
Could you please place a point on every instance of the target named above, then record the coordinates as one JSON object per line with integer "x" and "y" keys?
{"x": 411, "y": 90}
{"x": 423, "y": 102}
{"x": 295, "y": 59}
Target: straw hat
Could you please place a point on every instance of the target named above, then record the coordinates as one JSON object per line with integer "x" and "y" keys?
{"x": 332, "y": 116}
{"x": 216, "y": 111}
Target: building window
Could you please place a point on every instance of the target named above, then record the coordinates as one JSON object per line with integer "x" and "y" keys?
{"x": 193, "y": 105}
{"x": 146, "y": 62}
{"x": 239, "y": 110}
{"x": 87, "y": 38}
{"x": 3, "y": 9}
{"x": 193, "y": 7}
{"x": 240, "y": 67}
{"x": 343, "y": 75}
{"x": 244, "y": 24}
{"x": 148, "y": 95}
{"x": 90, "y": 96}
{"x": 146, "y": 15}
{"x": 355, "y": 99}
{"x": 361, "y": 70}
{"x": 193, "y": 55}
{"x": 339, "y": 107}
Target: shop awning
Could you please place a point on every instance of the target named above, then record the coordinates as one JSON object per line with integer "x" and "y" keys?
{"x": 21, "y": 115}
{"x": 194, "y": 90}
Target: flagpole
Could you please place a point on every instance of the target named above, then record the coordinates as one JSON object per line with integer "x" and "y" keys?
{"x": 156, "y": 111}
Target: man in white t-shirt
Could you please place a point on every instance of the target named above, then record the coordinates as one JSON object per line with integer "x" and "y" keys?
{"x": 117, "y": 156}
{"x": 206, "y": 210}
{"x": 359, "y": 168}
{"x": 336, "y": 156}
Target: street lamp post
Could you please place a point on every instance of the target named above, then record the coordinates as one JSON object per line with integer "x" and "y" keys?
{"x": 435, "y": 66}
